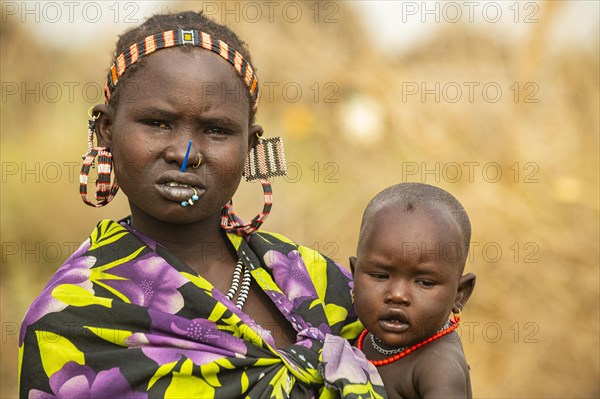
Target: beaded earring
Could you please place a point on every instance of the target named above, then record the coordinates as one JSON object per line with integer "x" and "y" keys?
{"x": 266, "y": 159}
{"x": 105, "y": 191}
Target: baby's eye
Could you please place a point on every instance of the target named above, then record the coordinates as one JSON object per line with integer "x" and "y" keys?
{"x": 427, "y": 283}
{"x": 379, "y": 276}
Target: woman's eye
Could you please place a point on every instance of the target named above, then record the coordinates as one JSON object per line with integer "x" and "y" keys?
{"x": 216, "y": 131}
{"x": 157, "y": 124}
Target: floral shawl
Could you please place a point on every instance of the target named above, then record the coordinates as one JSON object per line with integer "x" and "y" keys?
{"x": 124, "y": 318}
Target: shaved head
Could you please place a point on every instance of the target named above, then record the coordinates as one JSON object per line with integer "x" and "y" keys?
{"x": 411, "y": 197}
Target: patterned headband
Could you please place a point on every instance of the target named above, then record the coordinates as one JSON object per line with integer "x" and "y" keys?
{"x": 180, "y": 37}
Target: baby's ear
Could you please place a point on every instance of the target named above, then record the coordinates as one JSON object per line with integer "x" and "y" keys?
{"x": 103, "y": 124}
{"x": 466, "y": 284}
{"x": 352, "y": 264}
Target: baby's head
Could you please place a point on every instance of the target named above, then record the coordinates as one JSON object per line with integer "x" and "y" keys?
{"x": 412, "y": 249}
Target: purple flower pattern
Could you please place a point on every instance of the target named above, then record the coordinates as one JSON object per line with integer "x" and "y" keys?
{"x": 75, "y": 270}
{"x": 290, "y": 275}
{"x": 197, "y": 339}
{"x": 150, "y": 282}
{"x": 76, "y": 381}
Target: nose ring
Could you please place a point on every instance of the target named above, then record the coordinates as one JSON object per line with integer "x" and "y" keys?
{"x": 198, "y": 163}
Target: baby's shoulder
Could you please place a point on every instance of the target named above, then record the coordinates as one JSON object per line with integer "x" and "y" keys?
{"x": 442, "y": 370}
{"x": 448, "y": 347}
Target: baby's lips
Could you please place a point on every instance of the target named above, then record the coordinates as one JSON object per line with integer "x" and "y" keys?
{"x": 394, "y": 326}
{"x": 394, "y": 314}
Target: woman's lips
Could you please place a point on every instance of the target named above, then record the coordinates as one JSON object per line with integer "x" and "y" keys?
{"x": 174, "y": 191}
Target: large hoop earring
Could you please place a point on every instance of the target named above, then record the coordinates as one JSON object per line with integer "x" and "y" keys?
{"x": 105, "y": 191}
{"x": 232, "y": 224}
{"x": 90, "y": 133}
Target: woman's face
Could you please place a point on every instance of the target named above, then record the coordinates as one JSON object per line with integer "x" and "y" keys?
{"x": 174, "y": 97}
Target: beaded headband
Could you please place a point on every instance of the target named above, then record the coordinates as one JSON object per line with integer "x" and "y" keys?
{"x": 180, "y": 37}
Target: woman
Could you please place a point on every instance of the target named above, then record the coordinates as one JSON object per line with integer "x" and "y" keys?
{"x": 180, "y": 299}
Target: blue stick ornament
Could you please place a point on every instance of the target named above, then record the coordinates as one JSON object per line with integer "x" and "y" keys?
{"x": 187, "y": 155}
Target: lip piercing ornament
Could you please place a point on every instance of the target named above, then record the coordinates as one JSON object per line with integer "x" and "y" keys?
{"x": 191, "y": 200}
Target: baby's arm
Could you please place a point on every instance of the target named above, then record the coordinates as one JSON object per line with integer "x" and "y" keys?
{"x": 443, "y": 374}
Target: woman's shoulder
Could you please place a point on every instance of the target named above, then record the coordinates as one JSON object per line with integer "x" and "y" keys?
{"x": 106, "y": 232}
{"x": 272, "y": 238}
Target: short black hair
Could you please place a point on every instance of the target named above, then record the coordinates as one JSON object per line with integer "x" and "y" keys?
{"x": 414, "y": 196}
{"x": 182, "y": 20}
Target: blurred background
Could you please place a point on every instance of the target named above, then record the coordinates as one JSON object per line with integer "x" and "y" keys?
{"x": 496, "y": 102}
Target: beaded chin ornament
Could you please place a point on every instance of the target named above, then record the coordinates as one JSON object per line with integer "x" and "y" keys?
{"x": 105, "y": 190}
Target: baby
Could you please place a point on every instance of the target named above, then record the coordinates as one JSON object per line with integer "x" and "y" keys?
{"x": 411, "y": 254}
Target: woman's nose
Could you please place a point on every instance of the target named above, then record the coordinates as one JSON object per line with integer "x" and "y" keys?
{"x": 184, "y": 153}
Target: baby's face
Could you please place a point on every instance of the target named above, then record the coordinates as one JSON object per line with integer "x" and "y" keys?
{"x": 406, "y": 274}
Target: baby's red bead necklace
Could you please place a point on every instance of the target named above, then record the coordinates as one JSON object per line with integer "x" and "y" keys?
{"x": 398, "y": 356}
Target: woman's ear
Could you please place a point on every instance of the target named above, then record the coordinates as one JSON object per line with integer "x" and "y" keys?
{"x": 103, "y": 124}
{"x": 254, "y": 133}
{"x": 466, "y": 284}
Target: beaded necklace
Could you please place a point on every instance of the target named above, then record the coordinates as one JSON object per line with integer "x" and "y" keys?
{"x": 397, "y": 356}
{"x": 244, "y": 289}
